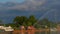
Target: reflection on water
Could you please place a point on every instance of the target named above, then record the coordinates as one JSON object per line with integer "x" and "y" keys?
{"x": 51, "y": 32}
{"x": 5, "y": 32}
{"x": 47, "y": 33}
{"x": 31, "y": 32}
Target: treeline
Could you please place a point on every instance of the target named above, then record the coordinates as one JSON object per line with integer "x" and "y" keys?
{"x": 31, "y": 21}
{"x": 23, "y": 21}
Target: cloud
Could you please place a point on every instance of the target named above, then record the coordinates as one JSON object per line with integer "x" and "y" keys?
{"x": 40, "y": 6}
{"x": 29, "y": 5}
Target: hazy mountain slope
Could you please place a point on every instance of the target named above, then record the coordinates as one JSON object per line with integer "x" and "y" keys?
{"x": 39, "y": 8}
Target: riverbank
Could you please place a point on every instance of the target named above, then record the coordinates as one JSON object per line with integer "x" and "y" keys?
{"x": 27, "y": 31}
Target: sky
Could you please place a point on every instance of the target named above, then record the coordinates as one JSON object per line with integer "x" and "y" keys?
{"x": 8, "y": 11}
{"x": 19, "y": 1}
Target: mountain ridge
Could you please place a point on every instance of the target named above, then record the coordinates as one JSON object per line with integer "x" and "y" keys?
{"x": 38, "y": 8}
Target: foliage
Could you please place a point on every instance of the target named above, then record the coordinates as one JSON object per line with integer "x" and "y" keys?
{"x": 31, "y": 21}
{"x": 46, "y": 22}
{"x": 22, "y": 20}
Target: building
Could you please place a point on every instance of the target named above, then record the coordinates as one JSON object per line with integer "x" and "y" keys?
{"x": 6, "y": 28}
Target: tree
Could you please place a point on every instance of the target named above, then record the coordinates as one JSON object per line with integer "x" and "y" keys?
{"x": 32, "y": 20}
{"x": 44, "y": 22}
{"x": 20, "y": 20}
{"x": 24, "y": 21}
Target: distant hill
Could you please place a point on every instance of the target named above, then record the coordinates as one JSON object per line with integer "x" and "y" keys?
{"x": 40, "y": 8}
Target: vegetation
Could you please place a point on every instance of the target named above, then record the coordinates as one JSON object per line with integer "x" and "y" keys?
{"x": 22, "y": 20}
{"x": 45, "y": 22}
{"x": 30, "y": 21}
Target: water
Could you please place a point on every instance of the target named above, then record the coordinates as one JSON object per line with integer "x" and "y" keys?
{"x": 44, "y": 32}
{"x": 47, "y": 32}
{"x": 55, "y": 32}
{"x": 5, "y": 32}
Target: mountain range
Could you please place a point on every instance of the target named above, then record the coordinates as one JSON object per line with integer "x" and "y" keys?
{"x": 39, "y": 8}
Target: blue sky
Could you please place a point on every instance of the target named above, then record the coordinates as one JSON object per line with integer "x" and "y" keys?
{"x": 19, "y": 1}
